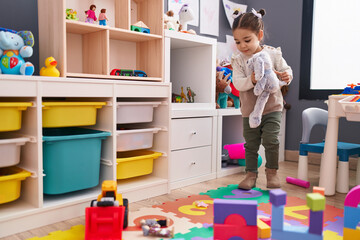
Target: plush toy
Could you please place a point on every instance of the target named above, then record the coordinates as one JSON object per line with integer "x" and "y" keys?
{"x": 222, "y": 90}
{"x": 170, "y": 22}
{"x": 14, "y": 47}
{"x": 233, "y": 93}
{"x": 267, "y": 83}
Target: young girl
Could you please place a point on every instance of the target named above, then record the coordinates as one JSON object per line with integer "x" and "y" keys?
{"x": 248, "y": 31}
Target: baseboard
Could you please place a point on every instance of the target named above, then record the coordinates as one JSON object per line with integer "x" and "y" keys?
{"x": 315, "y": 158}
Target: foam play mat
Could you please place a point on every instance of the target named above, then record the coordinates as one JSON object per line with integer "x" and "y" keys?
{"x": 192, "y": 217}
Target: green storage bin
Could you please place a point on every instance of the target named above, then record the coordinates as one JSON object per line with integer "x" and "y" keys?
{"x": 71, "y": 159}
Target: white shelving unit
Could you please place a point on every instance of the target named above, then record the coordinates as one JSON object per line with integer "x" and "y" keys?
{"x": 190, "y": 62}
{"x": 33, "y": 208}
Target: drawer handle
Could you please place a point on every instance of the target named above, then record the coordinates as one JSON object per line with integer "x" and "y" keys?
{"x": 193, "y": 133}
{"x": 193, "y": 163}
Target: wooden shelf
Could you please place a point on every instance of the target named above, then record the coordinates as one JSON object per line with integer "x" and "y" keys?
{"x": 100, "y": 76}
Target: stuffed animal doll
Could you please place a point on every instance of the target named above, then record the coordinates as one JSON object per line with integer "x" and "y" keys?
{"x": 267, "y": 83}
{"x": 222, "y": 90}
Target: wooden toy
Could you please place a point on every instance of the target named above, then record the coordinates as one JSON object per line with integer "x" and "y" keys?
{"x": 298, "y": 182}
{"x": 140, "y": 27}
{"x": 316, "y": 203}
{"x": 234, "y": 219}
{"x": 352, "y": 214}
{"x": 50, "y": 68}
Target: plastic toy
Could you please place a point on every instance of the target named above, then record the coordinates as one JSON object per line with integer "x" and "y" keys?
{"x": 352, "y": 214}
{"x": 237, "y": 151}
{"x": 90, "y": 14}
{"x": 108, "y": 214}
{"x": 185, "y": 15}
{"x": 127, "y": 72}
{"x": 71, "y": 14}
{"x": 190, "y": 95}
{"x": 50, "y": 68}
{"x": 298, "y": 182}
{"x": 201, "y": 204}
{"x": 102, "y": 17}
{"x": 316, "y": 203}
{"x": 267, "y": 83}
{"x": 234, "y": 93}
{"x": 157, "y": 231}
{"x": 351, "y": 89}
{"x": 154, "y": 222}
{"x": 14, "y": 47}
{"x": 140, "y": 27}
{"x": 235, "y": 219}
{"x": 183, "y": 96}
{"x": 223, "y": 90}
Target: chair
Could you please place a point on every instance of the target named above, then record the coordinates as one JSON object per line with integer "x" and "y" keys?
{"x": 317, "y": 116}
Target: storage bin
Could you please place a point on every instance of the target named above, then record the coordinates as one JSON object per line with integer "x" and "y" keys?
{"x": 70, "y": 114}
{"x": 10, "y": 183}
{"x": 11, "y": 114}
{"x": 135, "y": 139}
{"x": 10, "y": 150}
{"x": 135, "y": 163}
{"x": 351, "y": 107}
{"x": 71, "y": 159}
{"x": 135, "y": 112}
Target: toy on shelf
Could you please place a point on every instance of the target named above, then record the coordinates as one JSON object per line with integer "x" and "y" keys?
{"x": 298, "y": 182}
{"x": 102, "y": 17}
{"x": 154, "y": 222}
{"x": 90, "y": 14}
{"x": 316, "y": 204}
{"x": 50, "y": 68}
{"x": 186, "y": 15}
{"x": 71, "y": 14}
{"x": 140, "y": 27}
{"x": 14, "y": 47}
{"x": 190, "y": 94}
{"x": 128, "y": 73}
{"x": 108, "y": 214}
{"x": 267, "y": 83}
{"x": 223, "y": 90}
{"x": 170, "y": 22}
{"x": 233, "y": 93}
{"x": 352, "y": 214}
{"x": 183, "y": 96}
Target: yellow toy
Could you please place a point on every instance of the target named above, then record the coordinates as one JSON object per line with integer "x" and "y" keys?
{"x": 50, "y": 68}
{"x": 183, "y": 96}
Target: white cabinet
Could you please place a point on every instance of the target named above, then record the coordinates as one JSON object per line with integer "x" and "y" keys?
{"x": 190, "y": 62}
{"x": 33, "y": 208}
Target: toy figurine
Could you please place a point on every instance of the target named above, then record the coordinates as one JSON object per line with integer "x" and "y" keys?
{"x": 183, "y": 96}
{"x": 14, "y": 47}
{"x": 50, "y": 68}
{"x": 140, "y": 27}
{"x": 157, "y": 231}
{"x": 154, "y": 222}
{"x": 90, "y": 14}
{"x": 71, "y": 14}
{"x": 186, "y": 15}
{"x": 102, "y": 17}
{"x": 190, "y": 94}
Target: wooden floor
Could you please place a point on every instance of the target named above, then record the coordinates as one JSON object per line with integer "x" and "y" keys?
{"x": 286, "y": 169}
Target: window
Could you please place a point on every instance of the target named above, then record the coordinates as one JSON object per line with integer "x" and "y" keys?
{"x": 329, "y": 47}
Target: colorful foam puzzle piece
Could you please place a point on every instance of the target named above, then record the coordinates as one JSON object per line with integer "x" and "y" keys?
{"x": 232, "y": 191}
{"x": 185, "y": 207}
{"x": 195, "y": 232}
{"x": 335, "y": 226}
{"x": 330, "y": 235}
{"x": 74, "y": 233}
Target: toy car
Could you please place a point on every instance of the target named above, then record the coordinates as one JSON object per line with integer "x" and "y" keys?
{"x": 127, "y": 72}
{"x": 139, "y": 73}
{"x": 108, "y": 214}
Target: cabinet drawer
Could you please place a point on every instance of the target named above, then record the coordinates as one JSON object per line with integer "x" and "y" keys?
{"x": 190, "y": 163}
{"x": 191, "y": 132}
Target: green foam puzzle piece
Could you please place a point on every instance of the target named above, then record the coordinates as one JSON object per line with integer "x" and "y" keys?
{"x": 232, "y": 192}
{"x": 196, "y": 232}
{"x": 315, "y": 201}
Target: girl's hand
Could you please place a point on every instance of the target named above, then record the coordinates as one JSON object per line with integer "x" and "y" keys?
{"x": 253, "y": 80}
{"x": 283, "y": 76}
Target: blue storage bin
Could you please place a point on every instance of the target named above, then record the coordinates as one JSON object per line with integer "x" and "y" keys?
{"x": 71, "y": 159}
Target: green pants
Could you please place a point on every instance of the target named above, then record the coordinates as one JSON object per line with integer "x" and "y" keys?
{"x": 267, "y": 135}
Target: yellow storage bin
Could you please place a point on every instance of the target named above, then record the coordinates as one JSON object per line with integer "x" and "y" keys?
{"x": 11, "y": 113}
{"x": 10, "y": 183}
{"x": 135, "y": 163}
{"x": 70, "y": 114}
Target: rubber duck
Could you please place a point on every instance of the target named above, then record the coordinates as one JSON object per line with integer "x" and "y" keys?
{"x": 50, "y": 68}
